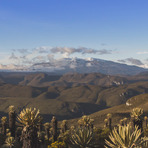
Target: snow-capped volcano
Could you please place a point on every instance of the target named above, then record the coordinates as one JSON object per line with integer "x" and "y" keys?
{"x": 77, "y": 65}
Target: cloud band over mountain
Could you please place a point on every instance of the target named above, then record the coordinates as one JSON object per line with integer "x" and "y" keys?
{"x": 43, "y": 54}
{"x": 46, "y": 54}
{"x": 132, "y": 61}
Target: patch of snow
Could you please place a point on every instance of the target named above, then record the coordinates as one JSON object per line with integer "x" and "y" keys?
{"x": 88, "y": 64}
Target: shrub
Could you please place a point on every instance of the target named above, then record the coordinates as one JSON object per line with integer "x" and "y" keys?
{"x": 57, "y": 144}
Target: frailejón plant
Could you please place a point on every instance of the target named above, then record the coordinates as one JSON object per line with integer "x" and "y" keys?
{"x": 125, "y": 137}
{"x": 82, "y": 137}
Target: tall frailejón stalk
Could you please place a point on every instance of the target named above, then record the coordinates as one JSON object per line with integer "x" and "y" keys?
{"x": 12, "y": 120}
{"x": 30, "y": 119}
{"x": 40, "y": 125}
{"x": 109, "y": 117}
{"x": 136, "y": 117}
{"x": 145, "y": 119}
{"x": 4, "y": 124}
{"x": 64, "y": 127}
{"x": 54, "y": 128}
{"x": 47, "y": 127}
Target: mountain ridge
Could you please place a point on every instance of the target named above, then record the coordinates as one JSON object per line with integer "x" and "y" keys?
{"x": 67, "y": 65}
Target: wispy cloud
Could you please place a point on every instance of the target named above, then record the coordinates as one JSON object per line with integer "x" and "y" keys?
{"x": 132, "y": 61}
{"x": 42, "y": 49}
{"x": 23, "y": 51}
{"x": 143, "y": 52}
{"x": 104, "y": 51}
{"x": 50, "y": 54}
{"x": 103, "y": 44}
{"x": 122, "y": 61}
{"x": 82, "y": 50}
{"x": 13, "y": 57}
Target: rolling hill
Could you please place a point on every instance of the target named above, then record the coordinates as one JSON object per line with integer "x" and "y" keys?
{"x": 71, "y": 95}
{"x": 118, "y": 112}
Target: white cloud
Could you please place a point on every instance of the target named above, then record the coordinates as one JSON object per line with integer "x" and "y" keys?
{"x": 48, "y": 54}
{"x": 82, "y": 50}
{"x": 73, "y": 66}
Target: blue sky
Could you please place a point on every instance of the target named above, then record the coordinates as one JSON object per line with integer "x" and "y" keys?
{"x": 119, "y": 28}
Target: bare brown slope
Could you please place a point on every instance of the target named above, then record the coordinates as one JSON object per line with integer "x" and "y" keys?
{"x": 12, "y": 78}
{"x": 118, "y": 112}
{"x": 94, "y": 79}
{"x": 77, "y": 79}
{"x": 39, "y": 79}
{"x": 82, "y": 93}
{"x": 49, "y": 107}
{"x": 42, "y": 79}
{"x": 8, "y": 90}
{"x": 69, "y": 101}
{"x": 119, "y": 95}
{"x": 92, "y": 94}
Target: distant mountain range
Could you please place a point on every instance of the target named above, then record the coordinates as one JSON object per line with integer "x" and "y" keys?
{"x": 72, "y": 65}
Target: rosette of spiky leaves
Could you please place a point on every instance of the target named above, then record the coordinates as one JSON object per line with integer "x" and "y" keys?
{"x": 64, "y": 122}
{"x": 11, "y": 108}
{"x": 64, "y": 126}
{"x": 121, "y": 122}
{"x": 47, "y": 125}
{"x": 72, "y": 128}
{"x": 145, "y": 144}
{"x": 106, "y": 122}
{"x": 82, "y": 137}
{"x": 86, "y": 121}
{"x": 10, "y": 141}
{"x": 41, "y": 136}
{"x": 109, "y": 115}
{"x": 125, "y": 137}
{"x": 4, "y": 120}
{"x": 65, "y": 137}
{"x": 125, "y": 121}
{"x": 136, "y": 113}
{"x": 29, "y": 117}
{"x": 8, "y": 134}
{"x": 145, "y": 118}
